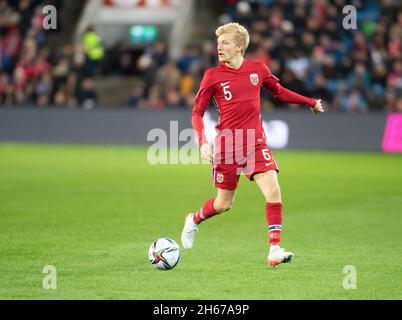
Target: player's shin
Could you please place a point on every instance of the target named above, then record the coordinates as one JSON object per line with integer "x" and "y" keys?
{"x": 205, "y": 212}
{"x": 274, "y": 220}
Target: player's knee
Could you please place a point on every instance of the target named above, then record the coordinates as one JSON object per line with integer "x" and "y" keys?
{"x": 273, "y": 194}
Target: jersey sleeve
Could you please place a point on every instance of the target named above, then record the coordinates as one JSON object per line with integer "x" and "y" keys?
{"x": 268, "y": 79}
{"x": 271, "y": 83}
{"x": 201, "y": 103}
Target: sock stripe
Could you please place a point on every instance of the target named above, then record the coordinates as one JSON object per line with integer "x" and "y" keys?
{"x": 205, "y": 212}
{"x": 274, "y": 227}
{"x": 201, "y": 212}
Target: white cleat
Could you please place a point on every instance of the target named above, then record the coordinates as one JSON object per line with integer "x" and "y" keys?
{"x": 279, "y": 255}
{"x": 189, "y": 231}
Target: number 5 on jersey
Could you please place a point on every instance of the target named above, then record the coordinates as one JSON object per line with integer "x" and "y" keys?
{"x": 226, "y": 92}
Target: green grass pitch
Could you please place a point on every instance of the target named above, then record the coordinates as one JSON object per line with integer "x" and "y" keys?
{"x": 93, "y": 211}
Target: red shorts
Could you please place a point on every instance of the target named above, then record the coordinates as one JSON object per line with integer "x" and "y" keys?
{"x": 226, "y": 174}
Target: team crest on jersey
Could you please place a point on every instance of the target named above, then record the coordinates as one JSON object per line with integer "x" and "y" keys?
{"x": 219, "y": 177}
{"x": 254, "y": 78}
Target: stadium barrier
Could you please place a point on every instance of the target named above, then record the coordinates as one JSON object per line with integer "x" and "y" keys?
{"x": 300, "y": 129}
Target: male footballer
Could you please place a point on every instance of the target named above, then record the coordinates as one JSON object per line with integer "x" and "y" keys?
{"x": 240, "y": 146}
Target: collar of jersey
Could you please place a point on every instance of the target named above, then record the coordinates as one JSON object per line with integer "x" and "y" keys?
{"x": 233, "y": 69}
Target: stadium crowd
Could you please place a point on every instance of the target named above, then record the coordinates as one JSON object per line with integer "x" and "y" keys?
{"x": 305, "y": 45}
{"x": 32, "y": 75}
{"x": 303, "y": 42}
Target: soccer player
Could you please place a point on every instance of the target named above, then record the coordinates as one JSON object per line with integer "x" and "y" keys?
{"x": 234, "y": 86}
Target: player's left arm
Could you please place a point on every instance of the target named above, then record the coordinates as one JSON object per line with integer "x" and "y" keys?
{"x": 271, "y": 83}
{"x": 288, "y": 96}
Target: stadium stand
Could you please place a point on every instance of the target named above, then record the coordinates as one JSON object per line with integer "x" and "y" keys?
{"x": 303, "y": 43}
{"x": 31, "y": 72}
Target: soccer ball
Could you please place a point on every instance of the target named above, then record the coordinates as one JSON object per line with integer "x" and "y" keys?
{"x": 164, "y": 253}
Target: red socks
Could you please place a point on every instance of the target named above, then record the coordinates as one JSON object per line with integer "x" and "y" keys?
{"x": 274, "y": 220}
{"x": 205, "y": 212}
{"x": 273, "y": 214}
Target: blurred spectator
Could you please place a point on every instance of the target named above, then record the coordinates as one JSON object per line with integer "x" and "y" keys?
{"x": 208, "y": 56}
{"x": 93, "y": 49}
{"x": 168, "y": 78}
{"x": 154, "y": 102}
{"x": 188, "y": 100}
{"x": 320, "y": 90}
{"x": 25, "y": 10}
{"x": 60, "y": 97}
{"x": 60, "y": 72}
{"x": 172, "y": 98}
{"x": 159, "y": 53}
{"x": 359, "y": 78}
{"x": 392, "y": 99}
{"x": 19, "y": 86}
{"x": 189, "y": 82}
{"x": 147, "y": 68}
{"x": 394, "y": 80}
{"x": 354, "y": 102}
{"x": 86, "y": 94}
{"x": 5, "y": 89}
{"x": 137, "y": 96}
{"x": 375, "y": 100}
{"x": 398, "y": 105}
{"x": 11, "y": 46}
{"x": 43, "y": 89}
{"x": 360, "y": 49}
{"x": 189, "y": 57}
{"x": 8, "y": 16}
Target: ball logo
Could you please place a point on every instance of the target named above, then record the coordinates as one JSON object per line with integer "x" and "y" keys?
{"x": 219, "y": 177}
{"x": 254, "y": 78}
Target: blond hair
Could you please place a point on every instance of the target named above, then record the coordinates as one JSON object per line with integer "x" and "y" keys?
{"x": 241, "y": 36}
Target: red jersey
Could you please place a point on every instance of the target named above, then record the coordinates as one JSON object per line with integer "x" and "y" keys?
{"x": 236, "y": 94}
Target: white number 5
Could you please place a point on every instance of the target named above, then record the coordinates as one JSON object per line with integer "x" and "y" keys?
{"x": 228, "y": 94}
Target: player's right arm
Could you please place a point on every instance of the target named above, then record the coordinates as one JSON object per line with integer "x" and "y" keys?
{"x": 201, "y": 103}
